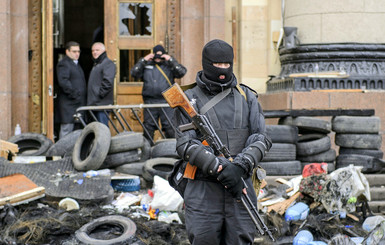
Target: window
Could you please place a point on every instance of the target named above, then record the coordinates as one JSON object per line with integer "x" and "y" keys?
{"x": 135, "y": 19}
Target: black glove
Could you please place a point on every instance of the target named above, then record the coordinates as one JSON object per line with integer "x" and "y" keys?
{"x": 230, "y": 177}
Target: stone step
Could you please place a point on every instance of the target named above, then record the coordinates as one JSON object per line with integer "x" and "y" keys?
{"x": 377, "y": 193}
{"x": 377, "y": 207}
{"x": 376, "y": 179}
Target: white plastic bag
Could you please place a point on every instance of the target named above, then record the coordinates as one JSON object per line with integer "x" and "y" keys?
{"x": 165, "y": 197}
{"x": 343, "y": 188}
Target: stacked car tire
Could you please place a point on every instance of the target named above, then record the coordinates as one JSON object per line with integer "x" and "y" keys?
{"x": 359, "y": 141}
{"x": 281, "y": 159}
{"x": 314, "y": 143}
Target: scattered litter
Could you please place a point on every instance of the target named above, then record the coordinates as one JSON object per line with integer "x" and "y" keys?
{"x": 165, "y": 197}
{"x": 125, "y": 200}
{"x": 68, "y": 204}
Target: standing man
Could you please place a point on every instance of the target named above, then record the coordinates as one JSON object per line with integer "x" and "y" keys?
{"x": 214, "y": 213}
{"x": 101, "y": 81}
{"x": 158, "y": 71}
{"x": 72, "y": 87}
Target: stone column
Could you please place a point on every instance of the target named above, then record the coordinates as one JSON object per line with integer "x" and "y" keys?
{"x": 341, "y": 21}
{"x": 5, "y": 70}
{"x": 19, "y": 63}
{"x": 201, "y": 21}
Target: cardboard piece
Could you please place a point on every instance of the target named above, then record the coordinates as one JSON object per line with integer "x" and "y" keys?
{"x": 17, "y": 188}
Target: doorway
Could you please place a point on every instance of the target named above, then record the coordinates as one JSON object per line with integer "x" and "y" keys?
{"x": 80, "y": 21}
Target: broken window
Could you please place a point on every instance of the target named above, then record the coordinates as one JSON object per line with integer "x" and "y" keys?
{"x": 135, "y": 19}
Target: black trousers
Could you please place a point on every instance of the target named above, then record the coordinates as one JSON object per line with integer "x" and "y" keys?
{"x": 157, "y": 114}
{"x": 214, "y": 217}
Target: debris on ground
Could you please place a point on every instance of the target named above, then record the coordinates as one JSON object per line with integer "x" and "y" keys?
{"x": 103, "y": 205}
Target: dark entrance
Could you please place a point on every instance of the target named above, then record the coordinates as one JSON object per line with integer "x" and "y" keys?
{"x": 80, "y": 21}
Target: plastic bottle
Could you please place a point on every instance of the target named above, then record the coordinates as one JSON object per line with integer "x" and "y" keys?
{"x": 297, "y": 212}
{"x": 93, "y": 173}
{"x": 303, "y": 237}
{"x": 17, "y": 129}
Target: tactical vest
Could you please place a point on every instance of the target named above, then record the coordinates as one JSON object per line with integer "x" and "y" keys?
{"x": 234, "y": 138}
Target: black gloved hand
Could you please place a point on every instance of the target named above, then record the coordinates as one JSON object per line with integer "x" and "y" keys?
{"x": 230, "y": 176}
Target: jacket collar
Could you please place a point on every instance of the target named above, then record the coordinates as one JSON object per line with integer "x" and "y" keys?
{"x": 214, "y": 87}
{"x": 100, "y": 58}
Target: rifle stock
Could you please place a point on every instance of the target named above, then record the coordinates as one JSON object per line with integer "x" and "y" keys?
{"x": 176, "y": 97}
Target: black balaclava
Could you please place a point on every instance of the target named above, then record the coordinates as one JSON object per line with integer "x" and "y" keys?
{"x": 156, "y": 49}
{"x": 217, "y": 51}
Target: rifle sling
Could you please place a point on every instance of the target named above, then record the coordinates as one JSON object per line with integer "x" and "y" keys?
{"x": 215, "y": 100}
{"x": 161, "y": 71}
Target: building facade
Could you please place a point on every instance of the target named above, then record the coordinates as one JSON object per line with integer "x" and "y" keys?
{"x": 35, "y": 32}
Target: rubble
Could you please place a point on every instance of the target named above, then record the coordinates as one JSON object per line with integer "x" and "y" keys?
{"x": 336, "y": 207}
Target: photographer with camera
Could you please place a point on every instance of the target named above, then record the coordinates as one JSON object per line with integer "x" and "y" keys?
{"x": 157, "y": 70}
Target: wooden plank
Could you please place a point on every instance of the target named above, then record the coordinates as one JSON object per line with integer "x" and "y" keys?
{"x": 337, "y": 74}
{"x": 282, "y": 206}
{"x": 8, "y": 146}
{"x": 17, "y": 188}
{"x": 23, "y": 196}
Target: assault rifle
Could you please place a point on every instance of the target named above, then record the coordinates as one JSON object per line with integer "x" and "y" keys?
{"x": 175, "y": 97}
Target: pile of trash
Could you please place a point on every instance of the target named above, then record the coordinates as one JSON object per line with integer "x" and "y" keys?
{"x": 321, "y": 208}
{"x": 55, "y": 202}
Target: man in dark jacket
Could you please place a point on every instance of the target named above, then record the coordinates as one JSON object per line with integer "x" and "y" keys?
{"x": 158, "y": 71}
{"x": 214, "y": 213}
{"x": 72, "y": 88}
{"x": 101, "y": 81}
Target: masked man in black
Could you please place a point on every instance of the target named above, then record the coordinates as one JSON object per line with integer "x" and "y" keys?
{"x": 214, "y": 213}
{"x": 158, "y": 71}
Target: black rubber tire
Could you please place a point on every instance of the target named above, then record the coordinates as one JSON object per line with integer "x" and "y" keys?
{"x": 65, "y": 145}
{"x": 164, "y": 148}
{"x": 282, "y": 168}
{"x": 369, "y": 164}
{"x": 127, "y": 225}
{"x": 326, "y": 156}
{"x": 309, "y": 137}
{"x": 125, "y": 142}
{"x": 313, "y": 147}
{"x": 282, "y": 133}
{"x": 281, "y": 152}
{"x": 146, "y": 150}
{"x": 134, "y": 168}
{"x": 161, "y": 166}
{"x": 356, "y": 125}
{"x": 116, "y": 159}
{"x": 307, "y": 125}
{"x": 359, "y": 141}
{"x": 369, "y": 152}
{"x": 92, "y": 147}
{"x": 31, "y": 144}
